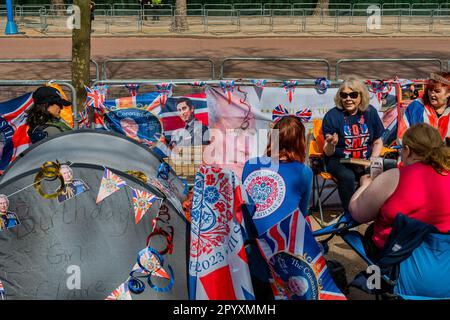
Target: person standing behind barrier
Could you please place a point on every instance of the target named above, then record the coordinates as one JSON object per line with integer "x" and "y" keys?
{"x": 352, "y": 129}
{"x": 155, "y": 14}
{"x": 142, "y": 4}
{"x": 418, "y": 190}
{"x": 44, "y": 117}
{"x": 433, "y": 108}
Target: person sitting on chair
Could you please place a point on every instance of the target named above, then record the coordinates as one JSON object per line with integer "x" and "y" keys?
{"x": 352, "y": 130}
{"x": 418, "y": 190}
{"x": 433, "y": 108}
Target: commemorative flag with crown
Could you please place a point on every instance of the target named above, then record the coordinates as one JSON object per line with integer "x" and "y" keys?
{"x": 296, "y": 263}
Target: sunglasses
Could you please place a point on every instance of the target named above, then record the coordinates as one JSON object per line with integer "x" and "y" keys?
{"x": 352, "y": 95}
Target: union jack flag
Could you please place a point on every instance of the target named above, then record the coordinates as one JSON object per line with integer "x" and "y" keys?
{"x": 306, "y": 275}
{"x": 289, "y": 86}
{"x": 227, "y": 88}
{"x": 305, "y": 115}
{"x": 121, "y": 293}
{"x": 95, "y": 97}
{"x": 84, "y": 121}
{"x": 133, "y": 88}
{"x": 165, "y": 91}
{"x": 142, "y": 201}
{"x": 110, "y": 183}
{"x": 279, "y": 112}
{"x": 13, "y": 128}
{"x": 418, "y": 112}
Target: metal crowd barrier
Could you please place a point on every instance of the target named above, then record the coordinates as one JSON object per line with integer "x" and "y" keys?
{"x": 29, "y": 83}
{"x": 264, "y": 59}
{"x": 341, "y": 61}
{"x": 109, "y": 61}
{"x": 11, "y": 61}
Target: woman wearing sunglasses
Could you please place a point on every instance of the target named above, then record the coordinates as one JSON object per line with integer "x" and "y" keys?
{"x": 352, "y": 129}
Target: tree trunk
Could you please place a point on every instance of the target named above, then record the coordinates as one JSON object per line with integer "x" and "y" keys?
{"x": 58, "y": 5}
{"x": 180, "y": 21}
{"x": 321, "y": 5}
{"x": 81, "y": 52}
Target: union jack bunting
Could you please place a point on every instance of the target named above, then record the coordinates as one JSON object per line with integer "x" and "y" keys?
{"x": 296, "y": 263}
{"x": 379, "y": 87}
{"x": 260, "y": 83}
{"x": 165, "y": 91}
{"x": 198, "y": 83}
{"x": 227, "y": 88}
{"x": 110, "y": 183}
{"x": 289, "y": 86}
{"x": 151, "y": 265}
{"x": 133, "y": 88}
{"x": 142, "y": 201}
{"x": 121, "y": 293}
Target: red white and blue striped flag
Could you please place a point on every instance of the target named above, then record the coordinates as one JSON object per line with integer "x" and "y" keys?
{"x": 13, "y": 128}
{"x": 297, "y": 266}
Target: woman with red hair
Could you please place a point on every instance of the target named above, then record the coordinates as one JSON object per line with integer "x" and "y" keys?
{"x": 433, "y": 108}
{"x": 280, "y": 182}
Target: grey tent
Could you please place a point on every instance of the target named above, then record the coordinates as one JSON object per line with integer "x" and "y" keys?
{"x": 56, "y": 242}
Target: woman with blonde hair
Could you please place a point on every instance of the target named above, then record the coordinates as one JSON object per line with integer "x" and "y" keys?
{"x": 418, "y": 190}
{"x": 352, "y": 129}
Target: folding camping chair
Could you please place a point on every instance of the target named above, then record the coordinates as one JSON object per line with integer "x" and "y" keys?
{"x": 317, "y": 164}
{"x": 418, "y": 274}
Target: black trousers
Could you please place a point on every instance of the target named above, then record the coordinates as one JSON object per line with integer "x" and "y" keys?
{"x": 347, "y": 176}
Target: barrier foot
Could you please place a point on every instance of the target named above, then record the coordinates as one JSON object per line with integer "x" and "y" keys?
{"x": 11, "y": 28}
